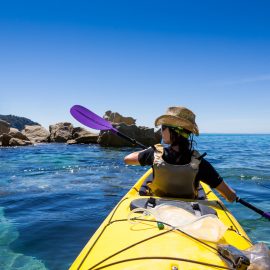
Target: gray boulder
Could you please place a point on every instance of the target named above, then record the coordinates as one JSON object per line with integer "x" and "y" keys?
{"x": 18, "y": 142}
{"x": 72, "y": 141}
{"x": 8, "y": 140}
{"x": 4, "y": 139}
{"x": 36, "y": 134}
{"x": 61, "y": 132}
{"x": 81, "y": 135}
{"x": 15, "y": 133}
{"x": 143, "y": 135}
{"x": 115, "y": 117}
{"x": 13, "y": 130}
{"x": 4, "y": 127}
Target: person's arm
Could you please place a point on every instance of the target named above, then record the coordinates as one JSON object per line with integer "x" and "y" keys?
{"x": 226, "y": 191}
{"x": 211, "y": 177}
{"x": 144, "y": 157}
{"x": 132, "y": 159}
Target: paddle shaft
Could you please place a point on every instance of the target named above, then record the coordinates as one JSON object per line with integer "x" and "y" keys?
{"x": 252, "y": 207}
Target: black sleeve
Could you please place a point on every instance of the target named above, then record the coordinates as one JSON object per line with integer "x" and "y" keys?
{"x": 146, "y": 157}
{"x": 208, "y": 174}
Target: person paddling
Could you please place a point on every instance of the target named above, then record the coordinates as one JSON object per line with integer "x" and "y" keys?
{"x": 178, "y": 168}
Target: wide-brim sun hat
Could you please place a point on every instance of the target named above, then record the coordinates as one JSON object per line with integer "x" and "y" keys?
{"x": 179, "y": 117}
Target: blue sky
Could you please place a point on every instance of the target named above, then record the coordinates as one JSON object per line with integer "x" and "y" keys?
{"x": 138, "y": 58}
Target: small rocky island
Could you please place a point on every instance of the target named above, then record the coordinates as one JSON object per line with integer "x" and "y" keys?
{"x": 64, "y": 132}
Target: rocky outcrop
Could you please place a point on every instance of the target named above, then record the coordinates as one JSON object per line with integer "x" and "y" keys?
{"x": 4, "y": 127}
{"x": 115, "y": 117}
{"x": 64, "y": 132}
{"x": 18, "y": 140}
{"x": 15, "y": 133}
{"x": 4, "y": 139}
{"x": 36, "y": 134}
{"x": 61, "y": 132}
{"x": 12, "y": 136}
{"x": 81, "y": 135}
{"x": 143, "y": 135}
{"x": 126, "y": 125}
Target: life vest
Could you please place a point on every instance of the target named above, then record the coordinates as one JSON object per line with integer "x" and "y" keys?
{"x": 172, "y": 180}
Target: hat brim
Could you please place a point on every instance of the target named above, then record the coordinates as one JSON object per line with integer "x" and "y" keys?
{"x": 177, "y": 122}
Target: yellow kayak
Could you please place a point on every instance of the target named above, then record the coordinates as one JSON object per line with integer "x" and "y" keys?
{"x": 130, "y": 238}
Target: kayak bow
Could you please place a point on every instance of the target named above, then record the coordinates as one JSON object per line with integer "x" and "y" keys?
{"x": 123, "y": 242}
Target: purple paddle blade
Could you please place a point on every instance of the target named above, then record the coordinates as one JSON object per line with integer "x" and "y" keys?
{"x": 90, "y": 119}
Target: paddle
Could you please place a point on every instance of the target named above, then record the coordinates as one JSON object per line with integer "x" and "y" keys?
{"x": 92, "y": 120}
{"x": 252, "y": 207}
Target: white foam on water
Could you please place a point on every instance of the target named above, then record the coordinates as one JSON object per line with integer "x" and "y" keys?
{"x": 256, "y": 178}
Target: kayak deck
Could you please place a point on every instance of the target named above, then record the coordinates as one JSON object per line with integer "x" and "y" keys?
{"x": 120, "y": 244}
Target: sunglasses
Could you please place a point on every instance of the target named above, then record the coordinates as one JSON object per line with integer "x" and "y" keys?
{"x": 178, "y": 130}
{"x": 163, "y": 127}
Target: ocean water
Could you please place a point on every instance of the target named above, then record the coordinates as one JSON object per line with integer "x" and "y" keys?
{"x": 54, "y": 196}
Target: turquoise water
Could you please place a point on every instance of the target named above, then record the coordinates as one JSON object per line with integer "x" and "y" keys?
{"x": 54, "y": 196}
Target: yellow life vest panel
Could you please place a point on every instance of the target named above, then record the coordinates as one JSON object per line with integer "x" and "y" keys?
{"x": 172, "y": 180}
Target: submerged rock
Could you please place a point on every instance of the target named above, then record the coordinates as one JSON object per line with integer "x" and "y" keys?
{"x": 72, "y": 141}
